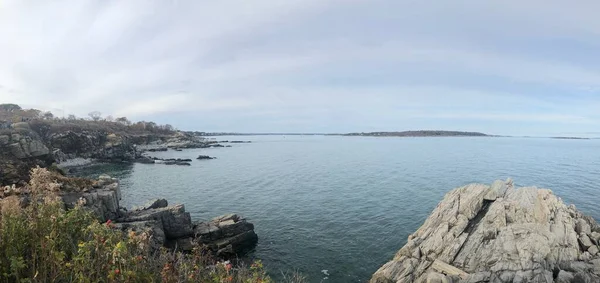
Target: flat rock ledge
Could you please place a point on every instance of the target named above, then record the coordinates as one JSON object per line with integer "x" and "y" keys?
{"x": 169, "y": 226}
{"x": 497, "y": 233}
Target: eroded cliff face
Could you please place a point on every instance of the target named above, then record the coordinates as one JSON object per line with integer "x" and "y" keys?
{"x": 22, "y": 142}
{"x": 21, "y": 149}
{"x": 97, "y": 145}
{"x": 498, "y": 233}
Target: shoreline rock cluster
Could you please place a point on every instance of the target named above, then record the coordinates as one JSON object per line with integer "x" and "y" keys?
{"x": 24, "y": 145}
{"x": 169, "y": 226}
{"x": 498, "y": 233}
{"x": 205, "y": 157}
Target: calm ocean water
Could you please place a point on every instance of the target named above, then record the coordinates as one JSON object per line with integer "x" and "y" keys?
{"x": 337, "y": 208}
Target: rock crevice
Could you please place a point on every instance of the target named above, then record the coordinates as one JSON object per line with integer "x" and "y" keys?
{"x": 497, "y": 233}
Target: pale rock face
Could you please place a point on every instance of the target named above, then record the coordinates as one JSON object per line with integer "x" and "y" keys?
{"x": 21, "y": 146}
{"x": 498, "y": 233}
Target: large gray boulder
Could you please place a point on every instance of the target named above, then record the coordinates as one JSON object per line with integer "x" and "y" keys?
{"x": 153, "y": 228}
{"x": 103, "y": 200}
{"x": 481, "y": 233}
{"x": 23, "y": 144}
{"x": 175, "y": 222}
{"x": 169, "y": 226}
{"x": 226, "y": 235}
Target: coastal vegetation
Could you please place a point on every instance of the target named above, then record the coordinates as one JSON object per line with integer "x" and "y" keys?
{"x": 46, "y": 123}
{"x": 45, "y": 238}
{"x": 41, "y": 241}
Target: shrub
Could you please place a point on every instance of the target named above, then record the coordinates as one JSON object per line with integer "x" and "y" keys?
{"x": 43, "y": 242}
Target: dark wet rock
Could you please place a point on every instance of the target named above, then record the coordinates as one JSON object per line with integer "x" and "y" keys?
{"x": 158, "y": 149}
{"x": 211, "y": 144}
{"x": 201, "y": 157}
{"x": 157, "y": 203}
{"x": 172, "y": 161}
{"x": 226, "y": 235}
{"x": 240, "y": 141}
{"x": 94, "y": 144}
{"x": 145, "y": 160}
{"x": 177, "y": 163}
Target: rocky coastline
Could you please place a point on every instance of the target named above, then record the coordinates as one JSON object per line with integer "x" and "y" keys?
{"x": 499, "y": 233}
{"x": 169, "y": 226}
{"x": 25, "y": 145}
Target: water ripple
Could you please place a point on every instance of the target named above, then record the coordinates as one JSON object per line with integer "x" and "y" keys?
{"x": 346, "y": 205}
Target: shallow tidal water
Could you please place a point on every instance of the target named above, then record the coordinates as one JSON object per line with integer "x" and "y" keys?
{"x": 337, "y": 208}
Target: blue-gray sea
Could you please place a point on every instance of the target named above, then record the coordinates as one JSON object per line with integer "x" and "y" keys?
{"x": 337, "y": 208}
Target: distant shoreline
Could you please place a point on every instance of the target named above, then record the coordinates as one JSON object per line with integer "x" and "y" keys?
{"x": 408, "y": 134}
{"x": 569, "y": 138}
{"x": 420, "y": 134}
{"x": 370, "y": 134}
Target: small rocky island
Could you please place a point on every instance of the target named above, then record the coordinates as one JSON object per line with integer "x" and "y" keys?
{"x": 498, "y": 233}
{"x": 420, "y": 134}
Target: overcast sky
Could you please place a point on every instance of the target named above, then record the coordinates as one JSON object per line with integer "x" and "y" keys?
{"x": 500, "y": 67}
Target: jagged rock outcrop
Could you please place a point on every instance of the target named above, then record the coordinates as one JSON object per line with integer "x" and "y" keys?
{"x": 169, "y": 226}
{"x": 498, "y": 233}
{"x": 97, "y": 145}
{"x": 102, "y": 199}
{"x": 21, "y": 149}
{"x": 23, "y": 143}
{"x": 226, "y": 235}
{"x": 184, "y": 140}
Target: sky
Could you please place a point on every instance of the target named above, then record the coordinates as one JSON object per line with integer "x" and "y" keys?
{"x": 502, "y": 67}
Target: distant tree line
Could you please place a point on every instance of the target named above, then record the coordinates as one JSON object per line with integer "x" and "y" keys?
{"x": 13, "y": 113}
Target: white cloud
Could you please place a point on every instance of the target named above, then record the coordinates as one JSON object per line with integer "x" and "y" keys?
{"x": 467, "y": 60}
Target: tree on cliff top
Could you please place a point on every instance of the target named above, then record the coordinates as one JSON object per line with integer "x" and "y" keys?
{"x": 123, "y": 120}
{"x": 47, "y": 115}
{"x": 95, "y": 115}
{"x": 9, "y": 107}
